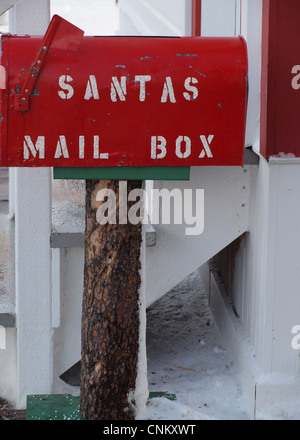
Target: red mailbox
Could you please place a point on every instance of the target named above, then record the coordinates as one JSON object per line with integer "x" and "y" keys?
{"x": 74, "y": 101}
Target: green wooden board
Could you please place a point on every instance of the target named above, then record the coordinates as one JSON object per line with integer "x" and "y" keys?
{"x": 123, "y": 173}
{"x": 65, "y": 406}
{"x": 53, "y": 407}
{"x": 169, "y": 396}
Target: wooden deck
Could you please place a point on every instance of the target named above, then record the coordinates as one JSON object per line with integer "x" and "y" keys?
{"x": 12, "y": 414}
{"x": 8, "y": 413}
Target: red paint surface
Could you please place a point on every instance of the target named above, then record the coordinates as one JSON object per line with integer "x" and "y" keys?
{"x": 125, "y": 128}
{"x": 280, "y": 128}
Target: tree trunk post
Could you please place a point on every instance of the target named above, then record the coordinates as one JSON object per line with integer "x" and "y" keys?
{"x": 110, "y": 309}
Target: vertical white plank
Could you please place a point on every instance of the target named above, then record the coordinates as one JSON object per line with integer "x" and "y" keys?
{"x": 259, "y": 273}
{"x": 251, "y": 29}
{"x": 33, "y": 282}
{"x": 218, "y": 18}
{"x": 55, "y": 288}
{"x": 286, "y": 300}
{"x": 238, "y": 17}
{"x": 11, "y": 192}
{"x": 188, "y": 18}
{"x": 31, "y": 17}
{"x": 2, "y": 338}
{"x": 32, "y": 248}
{"x": 141, "y": 389}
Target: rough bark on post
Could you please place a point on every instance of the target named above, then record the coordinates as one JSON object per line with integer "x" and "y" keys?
{"x": 110, "y": 310}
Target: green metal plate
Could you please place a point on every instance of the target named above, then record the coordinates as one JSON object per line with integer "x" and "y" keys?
{"x": 123, "y": 173}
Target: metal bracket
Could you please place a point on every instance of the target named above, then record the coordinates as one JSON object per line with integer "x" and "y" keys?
{"x": 7, "y": 320}
{"x": 60, "y": 35}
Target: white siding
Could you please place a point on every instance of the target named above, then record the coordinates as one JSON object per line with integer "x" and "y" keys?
{"x": 226, "y": 210}
{"x": 220, "y": 18}
{"x": 6, "y": 4}
{"x": 155, "y": 17}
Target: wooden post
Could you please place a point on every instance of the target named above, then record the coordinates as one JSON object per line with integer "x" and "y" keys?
{"x": 110, "y": 312}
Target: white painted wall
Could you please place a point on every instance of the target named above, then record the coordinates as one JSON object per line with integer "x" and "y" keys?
{"x": 226, "y": 217}
{"x": 281, "y": 276}
{"x": 220, "y": 18}
{"x": 173, "y": 17}
{"x": 67, "y": 336}
{"x": 265, "y": 286}
{"x": 265, "y": 291}
{"x": 160, "y": 18}
{"x": 5, "y": 5}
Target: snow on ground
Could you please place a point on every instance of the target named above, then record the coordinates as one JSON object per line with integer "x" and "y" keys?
{"x": 186, "y": 357}
{"x": 184, "y": 348}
